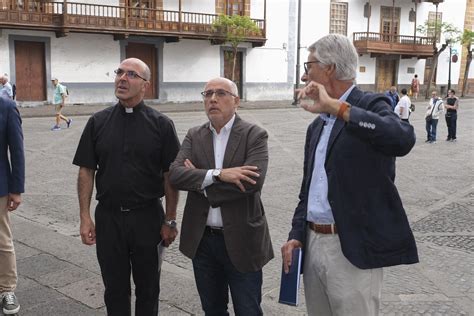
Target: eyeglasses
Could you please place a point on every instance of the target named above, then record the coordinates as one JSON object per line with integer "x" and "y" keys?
{"x": 129, "y": 73}
{"x": 220, "y": 93}
{"x": 305, "y": 65}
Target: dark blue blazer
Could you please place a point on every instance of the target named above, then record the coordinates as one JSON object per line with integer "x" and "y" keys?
{"x": 360, "y": 166}
{"x": 12, "y": 173}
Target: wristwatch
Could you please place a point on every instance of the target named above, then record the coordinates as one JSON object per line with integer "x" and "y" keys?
{"x": 216, "y": 174}
{"x": 171, "y": 223}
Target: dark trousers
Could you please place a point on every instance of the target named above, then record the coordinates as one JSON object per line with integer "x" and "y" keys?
{"x": 431, "y": 129}
{"x": 451, "y": 119}
{"x": 215, "y": 274}
{"x": 127, "y": 243}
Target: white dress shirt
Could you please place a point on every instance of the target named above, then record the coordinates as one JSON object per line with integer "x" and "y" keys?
{"x": 219, "y": 141}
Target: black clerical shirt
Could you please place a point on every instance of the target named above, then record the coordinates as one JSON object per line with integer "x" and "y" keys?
{"x": 130, "y": 152}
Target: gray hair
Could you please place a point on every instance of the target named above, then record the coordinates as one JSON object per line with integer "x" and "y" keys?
{"x": 232, "y": 85}
{"x": 338, "y": 50}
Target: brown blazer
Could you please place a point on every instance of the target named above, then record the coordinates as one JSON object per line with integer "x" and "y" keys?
{"x": 246, "y": 232}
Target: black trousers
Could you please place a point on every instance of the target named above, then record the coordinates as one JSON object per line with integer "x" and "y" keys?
{"x": 127, "y": 243}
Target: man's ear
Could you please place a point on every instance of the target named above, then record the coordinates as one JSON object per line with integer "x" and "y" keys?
{"x": 146, "y": 85}
{"x": 237, "y": 102}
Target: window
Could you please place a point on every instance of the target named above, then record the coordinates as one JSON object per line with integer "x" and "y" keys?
{"x": 235, "y": 7}
{"x": 434, "y": 21}
{"x": 338, "y": 23}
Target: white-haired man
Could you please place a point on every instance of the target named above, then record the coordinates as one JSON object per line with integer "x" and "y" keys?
{"x": 349, "y": 219}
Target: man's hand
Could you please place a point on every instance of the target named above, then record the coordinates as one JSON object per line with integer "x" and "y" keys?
{"x": 188, "y": 164}
{"x": 14, "y": 200}
{"x": 238, "y": 174}
{"x": 168, "y": 234}
{"x": 87, "y": 230}
{"x": 287, "y": 252}
{"x": 323, "y": 103}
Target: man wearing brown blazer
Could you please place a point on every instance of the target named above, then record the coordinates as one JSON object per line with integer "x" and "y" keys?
{"x": 222, "y": 164}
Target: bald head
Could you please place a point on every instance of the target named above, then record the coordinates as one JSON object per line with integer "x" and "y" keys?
{"x": 144, "y": 69}
{"x": 230, "y": 85}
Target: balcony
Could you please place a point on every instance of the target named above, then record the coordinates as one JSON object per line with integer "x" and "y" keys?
{"x": 122, "y": 22}
{"x": 378, "y": 44}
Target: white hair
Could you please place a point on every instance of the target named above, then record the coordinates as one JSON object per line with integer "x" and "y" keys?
{"x": 337, "y": 50}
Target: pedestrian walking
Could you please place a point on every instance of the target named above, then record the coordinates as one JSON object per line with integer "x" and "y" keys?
{"x": 128, "y": 149}
{"x": 451, "y": 106}
{"x": 349, "y": 219}
{"x": 59, "y": 100}
{"x": 393, "y": 96}
{"x": 403, "y": 107}
{"x": 415, "y": 86}
{"x": 12, "y": 185}
{"x": 222, "y": 164}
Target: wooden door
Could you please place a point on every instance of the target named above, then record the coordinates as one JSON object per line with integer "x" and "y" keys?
{"x": 30, "y": 71}
{"x": 228, "y": 64}
{"x": 147, "y": 53}
{"x": 386, "y": 74}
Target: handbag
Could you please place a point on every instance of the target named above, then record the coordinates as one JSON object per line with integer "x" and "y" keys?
{"x": 429, "y": 117}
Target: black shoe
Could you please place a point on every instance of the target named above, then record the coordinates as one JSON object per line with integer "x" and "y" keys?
{"x": 449, "y": 139}
{"x": 427, "y": 141}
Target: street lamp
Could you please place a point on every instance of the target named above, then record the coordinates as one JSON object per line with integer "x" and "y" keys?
{"x": 448, "y": 41}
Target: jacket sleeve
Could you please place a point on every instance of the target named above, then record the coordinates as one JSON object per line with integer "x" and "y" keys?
{"x": 373, "y": 121}
{"x": 256, "y": 155}
{"x": 16, "y": 183}
{"x": 183, "y": 178}
{"x": 299, "y": 217}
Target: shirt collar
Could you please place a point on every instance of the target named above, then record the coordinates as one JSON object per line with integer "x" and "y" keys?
{"x": 136, "y": 108}
{"x": 226, "y": 129}
{"x": 326, "y": 117}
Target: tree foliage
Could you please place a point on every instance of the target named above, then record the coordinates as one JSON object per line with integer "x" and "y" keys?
{"x": 447, "y": 30}
{"x": 235, "y": 29}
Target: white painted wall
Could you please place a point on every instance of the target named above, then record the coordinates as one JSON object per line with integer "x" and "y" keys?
{"x": 4, "y": 53}
{"x": 190, "y": 61}
{"x": 367, "y": 77}
{"x": 266, "y": 65}
{"x": 84, "y": 57}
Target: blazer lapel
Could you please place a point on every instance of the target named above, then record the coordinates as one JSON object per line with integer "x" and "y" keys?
{"x": 207, "y": 142}
{"x": 313, "y": 143}
{"x": 352, "y": 99}
{"x": 233, "y": 142}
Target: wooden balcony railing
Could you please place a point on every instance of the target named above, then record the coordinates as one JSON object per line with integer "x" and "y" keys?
{"x": 382, "y": 43}
{"x": 67, "y": 17}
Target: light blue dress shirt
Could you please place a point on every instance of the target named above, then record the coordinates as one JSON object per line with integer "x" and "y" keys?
{"x": 319, "y": 210}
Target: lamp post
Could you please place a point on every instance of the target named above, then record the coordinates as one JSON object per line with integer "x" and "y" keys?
{"x": 449, "y": 69}
{"x": 298, "y": 46}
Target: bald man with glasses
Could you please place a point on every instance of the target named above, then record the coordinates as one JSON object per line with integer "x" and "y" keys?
{"x": 222, "y": 164}
{"x": 128, "y": 149}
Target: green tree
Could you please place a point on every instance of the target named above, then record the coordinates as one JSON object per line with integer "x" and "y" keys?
{"x": 467, "y": 40}
{"x": 235, "y": 29}
{"x": 446, "y": 29}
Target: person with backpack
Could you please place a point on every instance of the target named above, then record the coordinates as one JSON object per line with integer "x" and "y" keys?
{"x": 59, "y": 99}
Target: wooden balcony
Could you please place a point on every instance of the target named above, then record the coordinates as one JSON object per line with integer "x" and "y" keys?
{"x": 122, "y": 22}
{"x": 378, "y": 44}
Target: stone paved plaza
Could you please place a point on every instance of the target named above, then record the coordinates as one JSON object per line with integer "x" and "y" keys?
{"x": 60, "y": 276}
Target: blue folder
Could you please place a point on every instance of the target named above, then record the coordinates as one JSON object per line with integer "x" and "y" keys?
{"x": 290, "y": 283}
